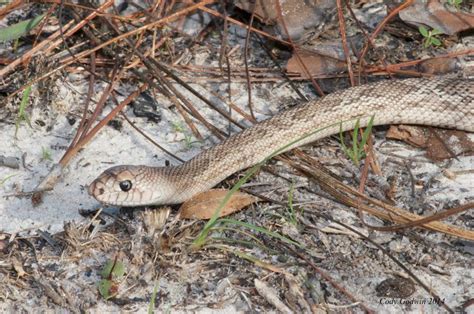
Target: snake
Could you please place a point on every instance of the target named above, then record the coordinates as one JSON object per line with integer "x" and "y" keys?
{"x": 440, "y": 101}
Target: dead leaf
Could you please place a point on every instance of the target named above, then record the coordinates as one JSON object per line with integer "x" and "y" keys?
{"x": 444, "y": 144}
{"x": 203, "y": 205}
{"x": 438, "y": 16}
{"x": 315, "y": 63}
{"x": 438, "y": 65}
{"x": 300, "y": 16}
{"x": 413, "y": 135}
{"x": 439, "y": 144}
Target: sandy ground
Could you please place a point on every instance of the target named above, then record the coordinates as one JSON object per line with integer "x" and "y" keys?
{"x": 437, "y": 259}
{"x": 110, "y": 147}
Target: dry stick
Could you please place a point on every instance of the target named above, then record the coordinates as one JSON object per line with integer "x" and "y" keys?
{"x": 427, "y": 219}
{"x": 327, "y": 277}
{"x": 88, "y": 8}
{"x": 167, "y": 19}
{"x": 50, "y": 180}
{"x": 196, "y": 93}
{"x": 232, "y": 106}
{"x": 374, "y": 70}
{"x": 279, "y": 78}
{"x": 184, "y": 112}
{"x": 176, "y": 101}
{"x": 378, "y": 29}
{"x": 10, "y": 7}
{"x": 409, "y": 272}
{"x": 100, "y": 104}
{"x": 222, "y": 50}
{"x": 176, "y": 94}
{"x": 147, "y": 136}
{"x": 236, "y": 22}
{"x": 336, "y": 189}
{"x": 280, "y": 68}
{"x": 351, "y": 12}
{"x": 26, "y": 56}
{"x": 68, "y": 61}
{"x": 43, "y": 23}
{"x": 218, "y": 133}
{"x": 53, "y": 45}
{"x": 366, "y": 36}
{"x": 255, "y": 30}
{"x": 90, "y": 92}
{"x": 229, "y": 83}
{"x": 149, "y": 53}
{"x": 369, "y": 162}
{"x": 393, "y": 67}
{"x": 342, "y": 31}
{"x": 246, "y": 61}
{"x": 102, "y": 123}
{"x": 295, "y": 50}
{"x": 153, "y": 68}
{"x": 48, "y": 183}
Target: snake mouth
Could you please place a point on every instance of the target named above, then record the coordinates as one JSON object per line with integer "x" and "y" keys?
{"x": 96, "y": 188}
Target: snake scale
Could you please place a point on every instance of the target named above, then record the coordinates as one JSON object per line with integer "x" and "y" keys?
{"x": 446, "y": 102}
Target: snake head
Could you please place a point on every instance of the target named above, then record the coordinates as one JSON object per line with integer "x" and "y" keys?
{"x": 130, "y": 186}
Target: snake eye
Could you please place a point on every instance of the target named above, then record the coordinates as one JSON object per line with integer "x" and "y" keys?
{"x": 125, "y": 185}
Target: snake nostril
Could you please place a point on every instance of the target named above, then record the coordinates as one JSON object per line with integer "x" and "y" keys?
{"x": 101, "y": 191}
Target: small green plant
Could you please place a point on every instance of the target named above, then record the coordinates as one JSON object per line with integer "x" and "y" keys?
{"x": 188, "y": 139}
{"x": 291, "y": 209}
{"x": 455, "y": 3}
{"x": 111, "y": 273}
{"x": 46, "y": 154}
{"x": 356, "y": 153}
{"x": 22, "y": 116}
{"x": 151, "y": 306}
{"x": 430, "y": 38}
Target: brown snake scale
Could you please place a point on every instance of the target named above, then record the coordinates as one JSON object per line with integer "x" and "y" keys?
{"x": 446, "y": 102}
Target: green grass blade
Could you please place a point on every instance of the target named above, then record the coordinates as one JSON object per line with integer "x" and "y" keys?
{"x": 201, "y": 239}
{"x": 151, "y": 306}
{"x": 17, "y": 30}
{"x": 262, "y": 230}
{"x": 355, "y": 142}
{"x": 366, "y": 133}
{"x": 21, "y": 111}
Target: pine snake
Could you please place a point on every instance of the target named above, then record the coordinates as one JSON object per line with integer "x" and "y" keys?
{"x": 446, "y": 102}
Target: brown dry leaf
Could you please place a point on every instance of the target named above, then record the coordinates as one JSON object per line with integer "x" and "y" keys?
{"x": 445, "y": 143}
{"x": 315, "y": 63}
{"x": 438, "y": 65}
{"x": 203, "y": 205}
{"x": 413, "y": 135}
{"x": 300, "y": 15}
{"x": 439, "y": 144}
{"x": 437, "y": 15}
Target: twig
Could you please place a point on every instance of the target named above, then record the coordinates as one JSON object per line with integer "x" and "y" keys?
{"x": 342, "y": 31}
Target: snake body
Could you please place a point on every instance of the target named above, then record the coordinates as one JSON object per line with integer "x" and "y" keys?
{"x": 446, "y": 102}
